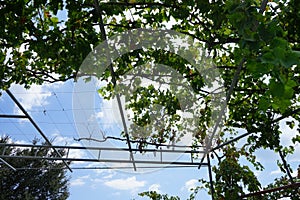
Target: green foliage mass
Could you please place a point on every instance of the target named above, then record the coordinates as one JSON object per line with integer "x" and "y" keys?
{"x": 33, "y": 179}
{"x": 260, "y": 38}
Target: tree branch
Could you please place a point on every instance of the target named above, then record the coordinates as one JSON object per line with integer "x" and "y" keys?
{"x": 140, "y": 4}
{"x": 134, "y": 141}
{"x": 286, "y": 166}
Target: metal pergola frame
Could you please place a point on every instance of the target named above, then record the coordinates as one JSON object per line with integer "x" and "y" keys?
{"x": 132, "y": 160}
{"x": 100, "y": 150}
{"x": 27, "y": 116}
{"x": 66, "y": 158}
{"x": 147, "y": 164}
{"x": 150, "y": 164}
{"x": 130, "y": 150}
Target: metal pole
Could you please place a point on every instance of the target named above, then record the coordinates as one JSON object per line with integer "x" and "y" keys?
{"x": 210, "y": 178}
{"x": 8, "y": 164}
{"x": 294, "y": 185}
{"x": 35, "y": 125}
{"x": 12, "y": 116}
{"x": 230, "y": 141}
{"x": 183, "y": 163}
{"x": 113, "y": 76}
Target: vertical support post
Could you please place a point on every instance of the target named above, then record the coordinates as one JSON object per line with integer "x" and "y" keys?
{"x": 114, "y": 81}
{"x": 99, "y": 154}
{"x": 67, "y": 154}
{"x": 4, "y": 149}
{"x": 210, "y": 177}
{"x": 160, "y": 155}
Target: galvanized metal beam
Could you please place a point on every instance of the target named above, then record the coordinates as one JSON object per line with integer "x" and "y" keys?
{"x": 105, "y": 160}
{"x": 6, "y": 163}
{"x": 34, "y": 124}
{"x": 12, "y": 116}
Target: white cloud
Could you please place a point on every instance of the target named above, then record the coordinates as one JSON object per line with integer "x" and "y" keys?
{"x": 276, "y": 172}
{"x": 190, "y": 184}
{"x": 295, "y": 157}
{"x": 125, "y": 184}
{"x": 98, "y": 115}
{"x": 257, "y": 173}
{"x": 11, "y": 141}
{"x": 80, "y": 180}
{"x": 85, "y": 177}
{"x": 108, "y": 173}
{"x": 108, "y": 176}
{"x": 295, "y": 173}
{"x": 286, "y": 138}
{"x": 35, "y": 98}
{"x": 61, "y": 140}
{"x": 287, "y": 132}
{"x": 110, "y": 113}
{"x": 77, "y": 182}
{"x": 69, "y": 141}
{"x": 155, "y": 187}
{"x": 97, "y": 180}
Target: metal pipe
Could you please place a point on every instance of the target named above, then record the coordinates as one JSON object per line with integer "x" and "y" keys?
{"x": 105, "y": 160}
{"x": 6, "y": 163}
{"x": 113, "y": 76}
{"x": 230, "y": 141}
{"x": 294, "y": 185}
{"x": 34, "y": 124}
{"x": 12, "y": 116}
{"x": 100, "y": 148}
{"x": 210, "y": 178}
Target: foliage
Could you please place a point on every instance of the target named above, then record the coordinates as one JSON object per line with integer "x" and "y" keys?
{"x": 232, "y": 178}
{"x": 33, "y": 179}
{"x": 292, "y": 192}
{"x": 259, "y": 38}
{"x": 155, "y": 196}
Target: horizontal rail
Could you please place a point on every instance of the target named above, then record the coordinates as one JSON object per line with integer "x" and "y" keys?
{"x": 12, "y": 116}
{"x": 104, "y": 160}
{"x": 103, "y": 167}
{"x": 100, "y": 148}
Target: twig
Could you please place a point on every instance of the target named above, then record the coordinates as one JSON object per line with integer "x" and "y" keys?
{"x": 135, "y": 141}
{"x": 286, "y": 166}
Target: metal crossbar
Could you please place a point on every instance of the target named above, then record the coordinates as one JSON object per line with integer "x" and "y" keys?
{"x": 7, "y": 164}
{"x": 85, "y": 157}
{"x": 26, "y": 115}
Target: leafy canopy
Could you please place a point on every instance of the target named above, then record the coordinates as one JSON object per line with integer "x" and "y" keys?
{"x": 260, "y": 38}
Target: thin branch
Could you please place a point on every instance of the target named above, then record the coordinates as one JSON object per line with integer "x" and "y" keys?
{"x": 287, "y": 114}
{"x": 262, "y": 9}
{"x": 286, "y": 166}
{"x": 135, "y": 141}
{"x": 42, "y": 22}
{"x": 226, "y": 67}
{"x": 293, "y": 185}
{"x": 116, "y": 25}
{"x": 263, "y": 6}
{"x": 140, "y": 5}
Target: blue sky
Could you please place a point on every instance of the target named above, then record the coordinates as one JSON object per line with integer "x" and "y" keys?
{"x": 51, "y": 106}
